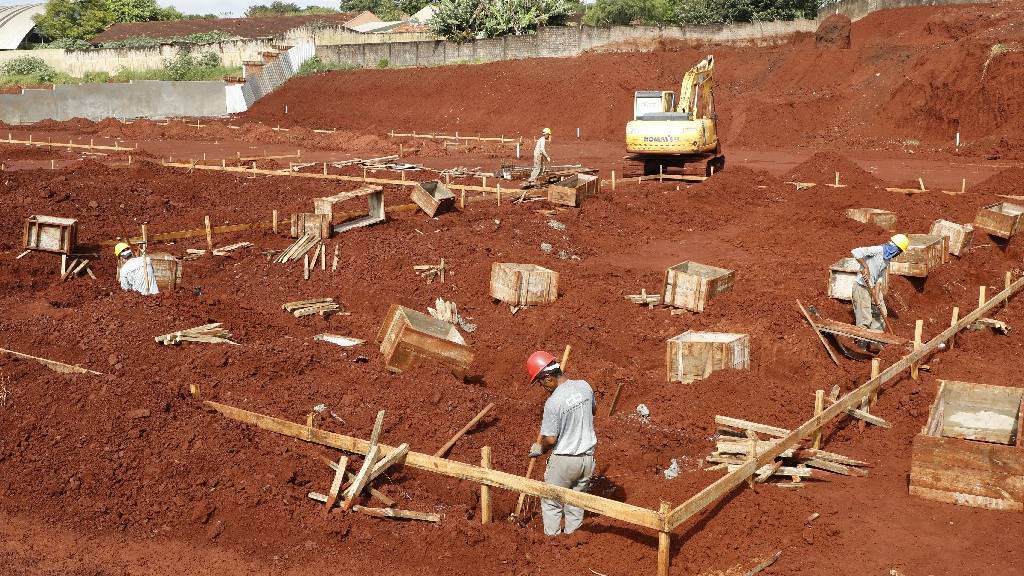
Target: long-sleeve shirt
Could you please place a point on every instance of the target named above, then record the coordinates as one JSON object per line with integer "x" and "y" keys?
{"x": 874, "y": 257}
{"x": 540, "y": 150}
{"x": 133, "y": 277}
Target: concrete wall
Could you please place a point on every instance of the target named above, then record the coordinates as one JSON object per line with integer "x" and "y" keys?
{"x": 154, "y": 98}
{"x": 572, "y": 41}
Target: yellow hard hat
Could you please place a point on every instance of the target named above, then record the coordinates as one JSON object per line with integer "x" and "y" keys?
{"x": 121, "y": 247}
{"x": 546, "y": 131}
{"x": 901, "y": 241}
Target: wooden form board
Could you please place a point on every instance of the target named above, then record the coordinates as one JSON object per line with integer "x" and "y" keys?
{"x": 314, "y": 225}
{"x": 881, "y": 218}
{"x": 408, "y": 337}
{"x": 51, "y": 234}
{"x": 325, "y": 204}
{"x": 523, "y": 284}
{"x": 695, "y": 355}
{"x": 433, "y": 198}
{"x": 925, "y": 253}
{"x": 573, "y": 190}
{"x": 375, "y": 213}
{"x": 689, "y": 285}
{"x": 958, "y": 236}
{"x": 843, "y": 275}
{"x": 1002, "y": 219}
{"x": 843, "y": 329}
{"x": 612, "y": 508}
{"x": 168, "y": 271}
{"x": 853, "y": 399}
{"x": 976, "y": 412}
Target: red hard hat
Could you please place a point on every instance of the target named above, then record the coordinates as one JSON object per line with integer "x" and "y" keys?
{"x": 537, "y": 362}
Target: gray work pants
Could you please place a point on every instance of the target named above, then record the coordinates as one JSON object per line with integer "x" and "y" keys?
{"x": 865, "y": 313}
{"x": 571, "y": 472}
{"x": 538, "y": 166}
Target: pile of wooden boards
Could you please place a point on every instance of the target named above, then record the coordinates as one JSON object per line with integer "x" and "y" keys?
{"x": 74, "y": 268}
{"x": 431, "y": 271}
{"x": 222, "y": 251}
{"x": 298, "y": 249}
{"x": 322, "y": 306}
{"x": 374, "y": 466}
{"x": 649, "y": 300}
{"x": 739, "y": 441}
{"x": 449, "y": 312}
{"x": 208, "y": 333}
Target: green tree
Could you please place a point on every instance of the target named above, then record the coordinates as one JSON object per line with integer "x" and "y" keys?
{"x": 385, "y": 9}
{"x": 286, "y": 9}
{"x": 83, "y": 19}
{"x": 625, "y": 12}
{"x": 461, "y": 20}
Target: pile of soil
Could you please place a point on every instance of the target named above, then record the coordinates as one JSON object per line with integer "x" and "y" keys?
{"x": 833, "y": 32}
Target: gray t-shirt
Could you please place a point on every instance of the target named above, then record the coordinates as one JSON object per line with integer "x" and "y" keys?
{"x": 877, "y": 264}
{"x": 569, "y": 416}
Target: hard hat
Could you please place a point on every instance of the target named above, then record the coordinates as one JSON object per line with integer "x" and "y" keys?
{"x": 537, "y": 362}
{"x": 901, "y": 241}
{"x": 121, "y": 247}
{"x": 546, "y": 131}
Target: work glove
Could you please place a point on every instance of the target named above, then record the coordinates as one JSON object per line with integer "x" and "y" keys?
{"x": 536, "y": 450}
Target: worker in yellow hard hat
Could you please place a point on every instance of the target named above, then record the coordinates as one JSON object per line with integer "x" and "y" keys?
{"x": 868, "y": 295}
{"x": 540, "y": 154}
{"x": 135, "y": 272}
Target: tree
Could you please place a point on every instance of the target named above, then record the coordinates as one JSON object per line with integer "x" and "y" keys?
{"x": 461, "y": 20}
{"x": 285, "y": 9}
{"x": 625, "y": 12}
{"x": 83, "y": 19}
{"x": 385, "y": 9}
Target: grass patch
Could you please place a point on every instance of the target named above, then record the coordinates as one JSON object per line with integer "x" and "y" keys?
{"x": 316, "y": 66}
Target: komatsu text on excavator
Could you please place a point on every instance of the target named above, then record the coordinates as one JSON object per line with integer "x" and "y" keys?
{"x": 664, "y": 133}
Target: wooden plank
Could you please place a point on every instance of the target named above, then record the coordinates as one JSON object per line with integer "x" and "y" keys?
{"x": 738, "y": 476}
{"x": 52, "y": 364}
{"x": 966, "y": 499}
{"x": 339, "y": 477}
{"x": 398, "y": 514}
{"x": 485, "y": 490}
{"x": 828, "y": 347}
{"x": 835, "y": 468}
{"x": 448, "y": 445}
{"x": 612, "y": 508}
{"x": 361, "y": 478}
{"x": 349, "y": 477}
{"x": 843, "y": 329}
{"x": 752, "y": 426}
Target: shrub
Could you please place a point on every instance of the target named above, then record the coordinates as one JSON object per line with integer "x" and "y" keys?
{"x": 29, "y": 66}
{"x": 384, "y": 63}
{"x": 189, "y": 66}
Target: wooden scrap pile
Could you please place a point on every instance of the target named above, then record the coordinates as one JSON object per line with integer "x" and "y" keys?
{"x": 739, "y": 441}
{"x": 512, "y": 171}
{"x": 193, "y": 253}
{"x": 449, "y": 312}
{"x": 381, "y": 162}
{"x": 464, "y": 172}
{"x": 649, "y": 300}
{"x": 347, "y": 487}
{"x": 207, "y": 333}
{"x": 74, "y": 268}
{"x": 431, "y": 271}
{"x": 322, "y": 306}
{"x": 298, "y": 249}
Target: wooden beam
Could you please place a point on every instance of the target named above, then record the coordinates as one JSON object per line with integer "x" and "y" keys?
{"x": 448, "y": 445}
{"x": 737, "y": 477}
{"x": 828, "y": 347}
{"x": 664, "y": 543}
{"x": 52, "y": 364}
{"x": 399, "y": 514}
{"x": 612, "y": 508}
{"x": 752, "y": 426}
{"x": 361, "y": 478}
{"x": 339, "y": 477}
{"x": 349, "y": 476}
{"x": 485, "y": 490}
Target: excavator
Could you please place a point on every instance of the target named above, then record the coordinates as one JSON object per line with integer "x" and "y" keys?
{"x": 665, "y": 133}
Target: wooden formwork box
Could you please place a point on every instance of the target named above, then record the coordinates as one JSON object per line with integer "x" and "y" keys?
{"x": 843, "y": 275}
{"x": 958, "y": 236}
{"x": 970, "y": 452}
{"x": 408, "y": 337}
{"x": 316, "y": 225}
{"x": 375, "y": 214}
{"x": 573, "y": 190}
{"x": 690, "y": 285}
{"x": 51, "y": 234}
{"x": 1001, "y": 219}
{"x": 523, "y": 284}
{"x": 433, "y": 198}
{"x": 881, "y": 218}
{"x": 168, "y": 271}
{"x": 695, "y": 355}
{"x": 925, "y": 253}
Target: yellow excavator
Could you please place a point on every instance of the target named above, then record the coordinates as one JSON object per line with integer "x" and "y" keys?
{"x": 665, "y": 133}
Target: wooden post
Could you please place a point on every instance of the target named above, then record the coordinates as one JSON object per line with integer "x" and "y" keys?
{"x": 952, "y": 322}
{"x": 613, "y": 180}
{"x": 981, "y": 296}
{"x": 615, "y": 399}
{"x": 273, "y": 220}
{"x": 963, "y": 185}
{"x": 209, "y": 233}
{"x": 819, "y": 405}
{"x": 837, "y": 178}
{"x": 499, "y": 194}
{"x": 661, "y": 173}
{"x": 1009, "y": 280}
{"x": 921, "y": 182}
{"x": 485, "y": 490}
{"x": 664, "y": 543}
{"x": 305, "y": 267}
{"x": 325, "y": 168}
{"x": 876, "y": 369}
{"x": 918, "y": 327}
{"x": 483, "y": 180}
{"x": 193, "y": 390}
{"x": 323, "y": 257}
{"x": 565, "y": 357}
{"x": 462, "y": 200}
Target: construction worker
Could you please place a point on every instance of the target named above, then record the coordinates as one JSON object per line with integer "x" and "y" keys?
{"x": 540, "y": 154}
{"x": 132, "y": 273}
{"x": 868, "y": 300}
{"x": 567, "y": 429}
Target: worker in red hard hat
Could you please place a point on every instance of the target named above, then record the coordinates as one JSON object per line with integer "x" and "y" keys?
{"x": 567, "y": 429}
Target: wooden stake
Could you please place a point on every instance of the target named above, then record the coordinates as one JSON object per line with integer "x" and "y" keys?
{"x": 323, "y": 257}
{"x": 819, "y": 405}
{"x": 613, "y": 180}
{"x": 661, "y": 173}
{"x": 565, "y": 357}
{"x": 448, "y": 445}
{"x": 498, "y": 194}
{"x": 339, "y": 477}
{"x": 837, "y": 179}
{"x": 876, "y": 369}
{"x": 1009, "y": 280}
{"x": 921, "y": 182}
{"x": 273, "y": 220}
{"x": 334, "y": 264}
{"x": 981, "y": 296}
{"x": 462, "y": 201}
{"x": 963, "y": 185}
{"x": 209, "y": 233}
{"x": 664, "y": 543}
{"x": 615, "y": 399}
{"x": 952, "y": 322}
{"x": 918, "y": 328}
{"x": 485, "y": 490}
{"x": 193, "y": 390}
{"x": 63, "y": 264}
{"x": 305, "y": 267}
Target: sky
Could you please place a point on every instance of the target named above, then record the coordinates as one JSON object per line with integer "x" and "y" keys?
{"x": 222, "y": 7}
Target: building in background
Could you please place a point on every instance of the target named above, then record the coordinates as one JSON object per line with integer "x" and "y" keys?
{"x": 17, "y": 28}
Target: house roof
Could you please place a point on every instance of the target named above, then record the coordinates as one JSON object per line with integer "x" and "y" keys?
{"x": 16, "y": 22}
{"x": 258, "y": 27}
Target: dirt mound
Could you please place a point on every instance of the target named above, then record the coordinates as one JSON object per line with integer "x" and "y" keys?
{"x": 1009, "y": 181}
{"x": 833, "y": 32}
{"x": 821, "y": 169}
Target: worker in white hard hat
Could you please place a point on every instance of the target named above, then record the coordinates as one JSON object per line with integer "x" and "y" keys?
{"x": 869, "y": 308}
{"x": 135, "y": 272}
{"x": 540, "y": 154}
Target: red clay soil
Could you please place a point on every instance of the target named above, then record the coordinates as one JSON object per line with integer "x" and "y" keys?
{"x": 124, "y": 473}
{"x": 912, "y": 77}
